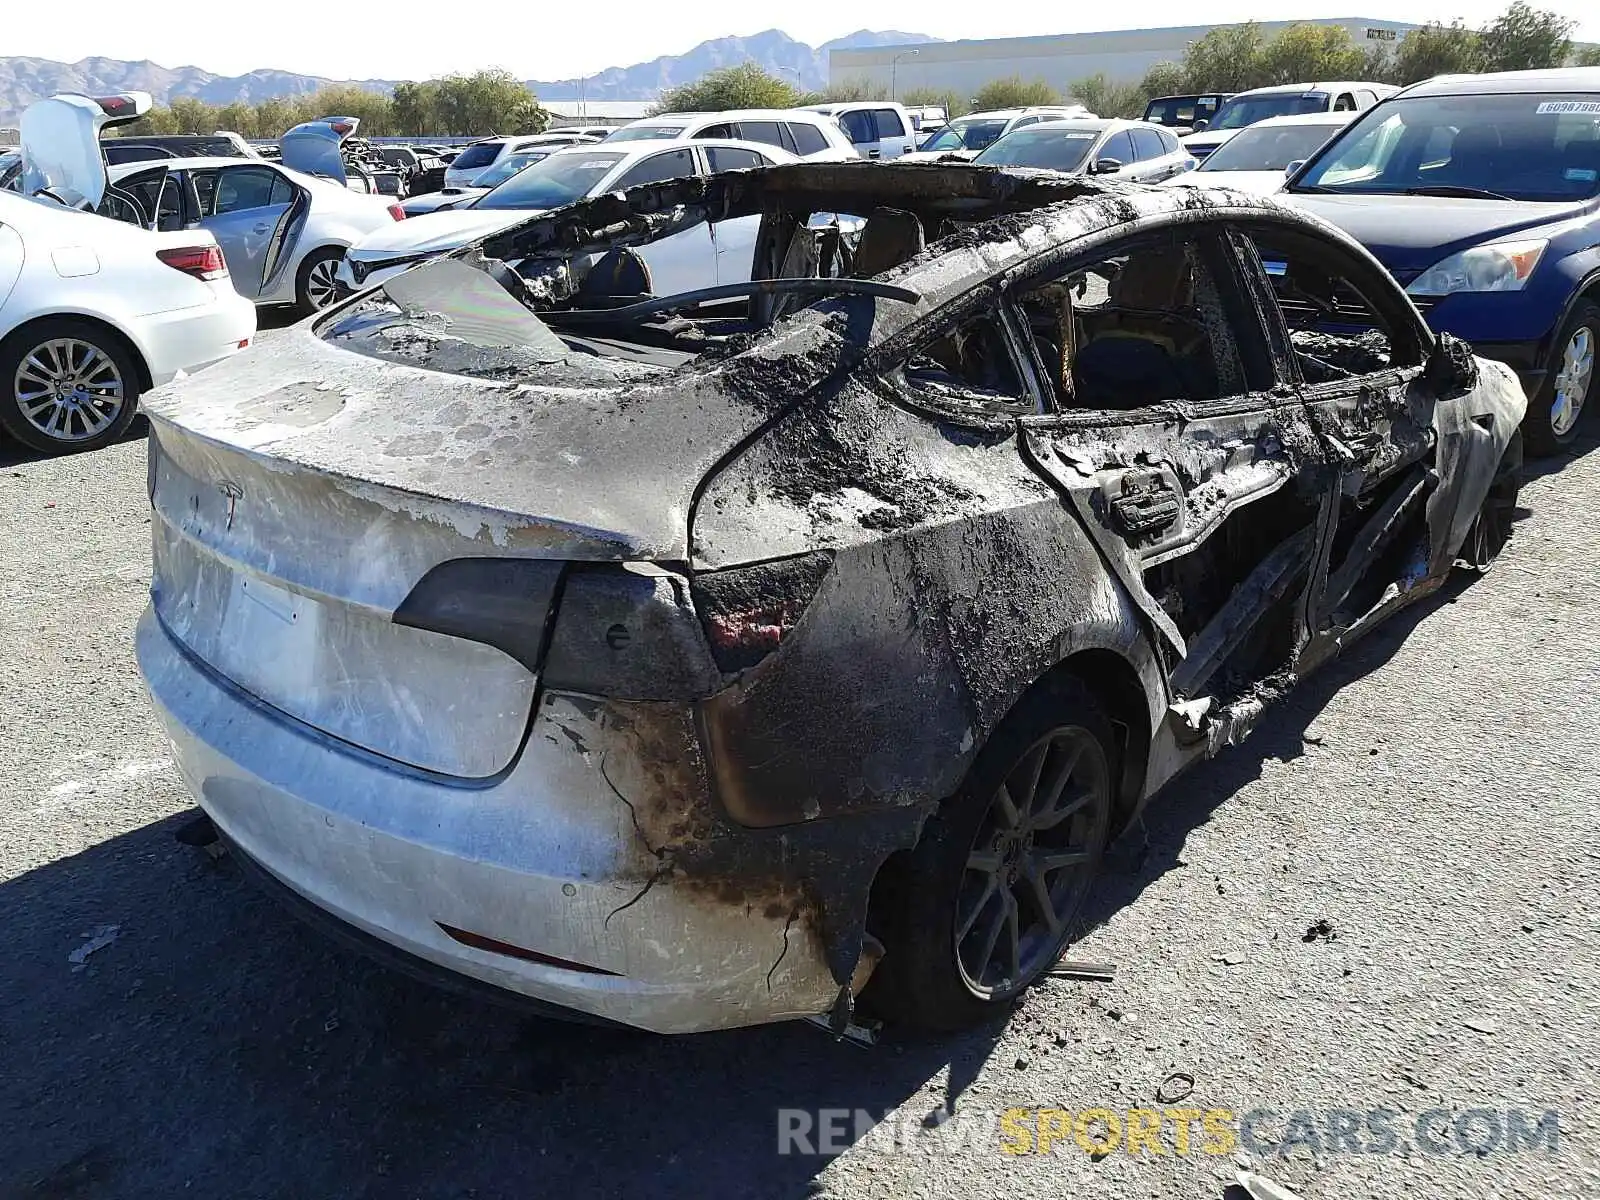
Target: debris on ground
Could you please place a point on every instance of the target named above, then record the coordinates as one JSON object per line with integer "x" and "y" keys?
{"x": 1259, "y": 1187}
{"x": 1234, "y": 958}
{"x": 1320, "y": 930}
{"x": 1481, "y": 1024}
{"x": 99, "y": 939}
{"x": 1072, "y": 969}
{"x": 1177, "y": 1086}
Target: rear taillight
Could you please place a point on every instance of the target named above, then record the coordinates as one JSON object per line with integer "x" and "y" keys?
{"x": 748, "y": 611}
{"x": 203, "y": 262}
{"x": 398, "y": 213}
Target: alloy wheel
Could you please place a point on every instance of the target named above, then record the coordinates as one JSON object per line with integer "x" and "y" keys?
{"x": 1572, "y": 380}
{"x": 322, "y": 282}
{"x": 69, "y": 390}
{"x": 1030, "y": 865}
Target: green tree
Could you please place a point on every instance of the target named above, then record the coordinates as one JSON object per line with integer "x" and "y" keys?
{"x": 1524, "y": 38}
{"x": 1228, "y": 59}
{"x": 1437, "y": 49}
{"x": 1101, "y": 96}
{"x": 1164, "y": 79}
{"x": 1305, "y": 51}
{"x": 1013, "y": 92}
{"x": 744, "y": 86}
{"x": 1586, "y": 56}
{"x": 486, "y": 102}
{"x": 416, "y": 107}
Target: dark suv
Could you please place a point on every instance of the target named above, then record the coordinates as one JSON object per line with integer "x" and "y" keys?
{"x": 1481, "y": 193}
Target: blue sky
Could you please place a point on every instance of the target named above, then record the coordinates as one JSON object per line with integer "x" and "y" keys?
{"x": 409, "y": 39}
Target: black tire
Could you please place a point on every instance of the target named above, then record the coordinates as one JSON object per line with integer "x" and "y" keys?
{"x": 1491, "y": 529}
{"x": 81, "y": 417}
{"x": 1544, "y": 431}
{"x": 925, "y": 980}
{"x": 308, "y": 298}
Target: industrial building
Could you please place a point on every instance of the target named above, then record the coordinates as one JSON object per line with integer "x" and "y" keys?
{"x": 1058, "y": 59}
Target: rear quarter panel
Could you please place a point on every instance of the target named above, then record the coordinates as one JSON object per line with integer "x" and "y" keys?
{"x": 958, "y": 579}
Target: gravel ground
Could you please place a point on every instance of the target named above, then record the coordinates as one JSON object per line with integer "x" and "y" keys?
{"x": 1432, "y": 798}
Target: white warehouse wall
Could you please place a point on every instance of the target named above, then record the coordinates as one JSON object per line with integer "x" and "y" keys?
{"x": 1124, "y": 55}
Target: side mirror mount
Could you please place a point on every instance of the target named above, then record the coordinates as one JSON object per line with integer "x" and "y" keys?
{"x": 1452, "y": 371}
{"x": 1200, "y": 124}
{"x": 1106, "y": 166}
{"x": 1293, "y": 167}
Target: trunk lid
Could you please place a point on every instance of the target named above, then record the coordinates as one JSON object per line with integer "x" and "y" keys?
{"x": 301, "y": 492}
{"x": 316, "y": 147}
{"x": 61, "y": 144}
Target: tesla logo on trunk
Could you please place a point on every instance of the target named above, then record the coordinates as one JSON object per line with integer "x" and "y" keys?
{"x": 233, "y": 492}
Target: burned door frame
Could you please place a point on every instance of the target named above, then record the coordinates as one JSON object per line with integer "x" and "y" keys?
{"x": 1378, "y": 429}
{"x": 1152, "y": 485}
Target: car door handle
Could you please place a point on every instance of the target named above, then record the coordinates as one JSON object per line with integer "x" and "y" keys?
{"x": 262, "y": 228}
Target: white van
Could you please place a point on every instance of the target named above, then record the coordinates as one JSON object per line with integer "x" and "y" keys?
{"x": 805, "y": 134}
{"x": 877, "y": 128}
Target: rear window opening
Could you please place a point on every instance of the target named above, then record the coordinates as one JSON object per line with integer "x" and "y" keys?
{"x": 578, "y": 286}
{"x": 479, "y": 154}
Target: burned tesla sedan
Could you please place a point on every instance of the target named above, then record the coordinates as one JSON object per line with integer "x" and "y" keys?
{"x": 705, "y": 660}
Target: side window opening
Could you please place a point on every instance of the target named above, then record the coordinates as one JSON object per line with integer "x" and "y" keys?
{"x": 888, "y": 123}
{"x": 1335, "y": 331}
{"x": 971, "y": 364}
{"x": 1145, "y": 323}
{"x": 808, "y": 139}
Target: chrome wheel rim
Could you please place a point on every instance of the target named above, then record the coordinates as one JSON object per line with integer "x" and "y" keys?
{"x": 69, "y": 390}
{"x": 322, "y": 282}
{"x": 1572, "y": 380}
{"x": 1031, "y": 862}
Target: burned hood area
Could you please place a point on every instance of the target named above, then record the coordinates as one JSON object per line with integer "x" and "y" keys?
{"x": 967, "y": 434}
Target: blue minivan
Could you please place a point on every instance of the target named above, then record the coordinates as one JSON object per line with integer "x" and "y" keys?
{"x": 1481, "y": 194}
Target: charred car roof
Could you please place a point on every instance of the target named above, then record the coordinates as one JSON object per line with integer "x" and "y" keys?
{"x": 934, "y": 192}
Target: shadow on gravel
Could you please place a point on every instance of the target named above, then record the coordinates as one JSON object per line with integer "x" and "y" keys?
{"x": 15, "y": 454}
{"x": 1188, "y": 801}
{"x": 216, "y": 1047}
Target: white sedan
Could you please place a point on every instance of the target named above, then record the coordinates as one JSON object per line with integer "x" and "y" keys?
{"x": 701, "y": 256}
{"x": 281, "y": 231}
{"x": 1259, "y": 157}
{"x": 94, "y": 312}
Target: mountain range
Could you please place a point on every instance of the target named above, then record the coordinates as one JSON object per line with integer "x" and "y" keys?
{"x": 24, "y": 80}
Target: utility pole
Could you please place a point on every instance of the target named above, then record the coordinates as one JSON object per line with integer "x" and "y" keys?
{"x": 894, "y": 62}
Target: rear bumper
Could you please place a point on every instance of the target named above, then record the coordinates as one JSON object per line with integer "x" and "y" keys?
{"x": 548, "y": 861}
{"x": 187, "y": 339}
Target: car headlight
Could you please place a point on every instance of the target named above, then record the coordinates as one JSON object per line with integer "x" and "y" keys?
{"x": 1499, "y": 267}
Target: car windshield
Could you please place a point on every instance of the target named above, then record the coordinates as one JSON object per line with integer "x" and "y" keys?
{"x": 966, "y": 135}
{"x": 1181, "y": 110}
{"x": 557, "y": 180}
{"x": 509, "y": 166}
{"x": 1268, "y": 147}
{"x": 1247, "y": 110}
{"x": 480, "y": 154}
{"x": 1521, "y": 147}
{"x": 1041, "y": 146}
{"x": 646, "y": 133}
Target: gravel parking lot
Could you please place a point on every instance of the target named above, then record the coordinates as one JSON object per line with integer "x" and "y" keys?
{"x": 1384, "y": 901}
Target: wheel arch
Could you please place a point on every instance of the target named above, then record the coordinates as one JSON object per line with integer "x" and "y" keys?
{"x": 109, "y": 328}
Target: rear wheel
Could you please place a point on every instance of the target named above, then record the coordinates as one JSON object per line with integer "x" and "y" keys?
{"x": 66, "y": 385}
{"x": 992, "y": 893}
{"x": 317, "y": 284}
{"x": 1569, "y": 384}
